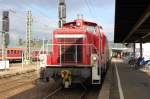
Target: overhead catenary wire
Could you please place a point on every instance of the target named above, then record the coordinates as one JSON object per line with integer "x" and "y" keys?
{"x": 91, "y": 9}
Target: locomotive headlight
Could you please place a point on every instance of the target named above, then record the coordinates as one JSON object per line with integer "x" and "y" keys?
{"x": 94, "y": 58}
{"x": 78, "y": 24}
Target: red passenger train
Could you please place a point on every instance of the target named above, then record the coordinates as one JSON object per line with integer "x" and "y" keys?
{"x": 79, "y": 54}
{"x": 13, "y": 54}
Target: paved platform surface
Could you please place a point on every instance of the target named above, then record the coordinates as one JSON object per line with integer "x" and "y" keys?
{"x": 16, "y": 69}
{"x": 105, "y": 90}
{"x": 128, "y": 83}
{"x": 124, "y": 82}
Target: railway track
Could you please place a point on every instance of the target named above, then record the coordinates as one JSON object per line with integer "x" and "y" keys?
{"x": 73, "y": 93}
{"x": 26, "y": 86}
{"x": 11, "y": 84}
{"x": 62, "y": 93}
{"x": 16, "y": 78}
{"x": 53, "y": 93}
{"x": 91, "y": 93}
{"x": 83, "y": 95}
{"x": 16, "y": 86}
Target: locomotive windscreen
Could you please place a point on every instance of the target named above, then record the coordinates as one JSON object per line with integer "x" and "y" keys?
{"x": 71, "y": 50}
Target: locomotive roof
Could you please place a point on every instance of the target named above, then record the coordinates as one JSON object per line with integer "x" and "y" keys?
{"x": 73, "y": 30}
{"x": 84, "y": 21}
{"x": 73, "y": 27}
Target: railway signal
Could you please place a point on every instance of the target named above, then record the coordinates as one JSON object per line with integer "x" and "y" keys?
{"x": 5, "y": 28}
{"x": 5, "y": 23}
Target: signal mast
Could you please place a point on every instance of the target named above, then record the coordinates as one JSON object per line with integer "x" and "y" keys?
{"x": 62, "y": 12}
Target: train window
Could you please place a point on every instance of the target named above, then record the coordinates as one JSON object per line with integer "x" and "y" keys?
{"x": 0, "y": 51}
{"x": 36, "y": 52}
{"x": 17, "y": 52}
{"x": 12, "y": 51}
{"x": 8, "y": 51}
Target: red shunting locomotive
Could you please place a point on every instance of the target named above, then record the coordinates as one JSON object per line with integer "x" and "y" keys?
{"x": 79, "y": 53}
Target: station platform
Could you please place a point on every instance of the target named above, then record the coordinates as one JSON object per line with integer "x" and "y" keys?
{"x": 124, "y": 82}
{"x": 17, "y": 69}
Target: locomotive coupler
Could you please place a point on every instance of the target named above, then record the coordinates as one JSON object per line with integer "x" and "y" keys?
{"x": 66, "y": 78}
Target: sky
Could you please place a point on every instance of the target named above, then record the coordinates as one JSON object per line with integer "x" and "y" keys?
{"x": 45, "y": 16}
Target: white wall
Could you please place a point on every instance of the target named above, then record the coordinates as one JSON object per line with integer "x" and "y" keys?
{"x": 146, "y": 50}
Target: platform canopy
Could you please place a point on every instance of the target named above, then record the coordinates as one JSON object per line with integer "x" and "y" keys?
{"x": 132, "y": 21}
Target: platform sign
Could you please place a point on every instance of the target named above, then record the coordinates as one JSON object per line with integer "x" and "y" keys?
{"x": 43, "y": 60}
{"x": 4, "y": 64}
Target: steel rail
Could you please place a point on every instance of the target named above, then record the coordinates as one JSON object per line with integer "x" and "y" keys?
{"x": 53, "y": 93}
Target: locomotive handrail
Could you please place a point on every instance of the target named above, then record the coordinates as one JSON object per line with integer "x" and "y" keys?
{"x": 76, "y": 44}
{"x": 60, "y": 51}
{"x": 69, "y": 44}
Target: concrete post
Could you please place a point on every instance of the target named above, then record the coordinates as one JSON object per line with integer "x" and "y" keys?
{"x": 134, "y": 49}
{"x": 141, "y": 50}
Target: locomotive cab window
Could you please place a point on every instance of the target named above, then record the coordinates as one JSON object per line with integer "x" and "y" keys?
{"x": 91, "y": 28}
